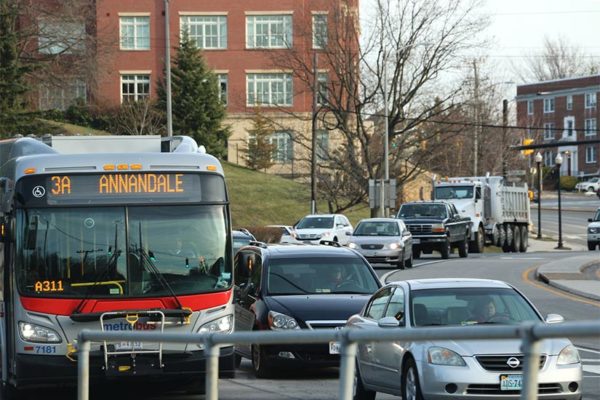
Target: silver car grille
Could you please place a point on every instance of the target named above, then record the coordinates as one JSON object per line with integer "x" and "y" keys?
{"x": 371, "y": 246}
{"x": 419, "y": 228}
{"x": 325, "y": 324}
{"x": 307, "y": 236}
{"x": 501, "y": 363}
{"x": 543, "y": 388}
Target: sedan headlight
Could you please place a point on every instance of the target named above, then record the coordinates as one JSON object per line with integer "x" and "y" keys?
{"x": 395, "y": 246}
{"x": 568, "y": 355}
{"x": 352, "y": 245}
{"x": 38, "y": 334}
{"x": 444, "y": 356}
{"x": 221, "y": 325}
{"x": 279, "y": 321}
{"x": 593, "y": 230}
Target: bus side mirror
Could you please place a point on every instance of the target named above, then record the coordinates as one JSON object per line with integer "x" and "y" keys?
{"x": 6, "y": 230}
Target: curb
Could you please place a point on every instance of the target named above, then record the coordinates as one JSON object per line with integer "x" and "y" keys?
{"x": 571, "y": 290}
{"x": 554, "y": 279}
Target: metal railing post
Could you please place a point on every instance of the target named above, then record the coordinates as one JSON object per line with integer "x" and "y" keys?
{"x": 212, "y": 369}
{"x": 83, "y": 370}
{"x": 531, "y": 350}
{"x": 347, "y": 365}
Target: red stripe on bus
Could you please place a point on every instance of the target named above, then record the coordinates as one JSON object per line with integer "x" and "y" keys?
{"x": 196, "y": 302}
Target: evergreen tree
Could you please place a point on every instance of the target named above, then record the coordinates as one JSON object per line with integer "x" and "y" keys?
{"x": 197, "y": 108}
{"x": 259, "y": 155}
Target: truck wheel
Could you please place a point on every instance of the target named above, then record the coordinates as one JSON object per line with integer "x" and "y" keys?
{"x": 591, "y": 246}
{"x": 516, "y": 245}
{"x": 508, "y": 242}
{"x": 463, "y": 248}
{"x": 524, "y": 239}
{"x": 501, "y": 236}
{"x": 446, "y": 250}
{"x": 477, "y": 245}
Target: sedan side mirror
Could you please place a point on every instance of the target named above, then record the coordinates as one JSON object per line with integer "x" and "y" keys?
{"x": 388, "y": 322}
{"x": 348, "y": 233}
{"x": 554, "y": 319}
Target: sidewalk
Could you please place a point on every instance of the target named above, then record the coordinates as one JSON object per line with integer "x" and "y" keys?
{"x": 568, "y": 274}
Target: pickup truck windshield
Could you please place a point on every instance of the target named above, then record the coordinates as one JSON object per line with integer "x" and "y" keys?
{"x": 423, "y": 211}
{"x": 454, "y": 192}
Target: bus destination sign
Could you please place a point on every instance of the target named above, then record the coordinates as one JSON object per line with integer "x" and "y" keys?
{"x": 117, "y": 184}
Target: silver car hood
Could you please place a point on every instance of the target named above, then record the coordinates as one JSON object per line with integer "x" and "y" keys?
{"x": 494, "y": 346}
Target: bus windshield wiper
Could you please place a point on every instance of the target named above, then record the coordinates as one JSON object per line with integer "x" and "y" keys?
{"x": 147, "y": 262}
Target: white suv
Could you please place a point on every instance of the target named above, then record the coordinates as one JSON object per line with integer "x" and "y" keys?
{"x": 317, "y": 227}
{"x": 593, "y": 231}
{"x": 589, "y": 186}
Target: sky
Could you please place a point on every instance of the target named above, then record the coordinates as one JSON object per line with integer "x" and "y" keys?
{"x": 518, "y": 28}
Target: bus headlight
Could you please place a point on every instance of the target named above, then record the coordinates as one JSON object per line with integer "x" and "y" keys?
{"x": 38, "y": 334}
{"x": 221, "y": 325}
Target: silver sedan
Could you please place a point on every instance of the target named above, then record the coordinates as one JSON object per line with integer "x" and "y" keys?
{"x": 451, "y": 369}
{"x": 383, "y": 241}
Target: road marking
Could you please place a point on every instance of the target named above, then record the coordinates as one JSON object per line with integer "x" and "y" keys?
{"x": 558, "y": 292}
{"x": 522, "y": 258}
{"x": 590, "y": 350}
{"x": 595, "y": 369}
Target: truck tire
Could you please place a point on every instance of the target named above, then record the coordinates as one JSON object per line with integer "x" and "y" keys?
{"x": 509, "y": 237}
{"x": 463, "y": 248}
{"x": 501, "y": 236}
{"x": 477, "y": 245}
{"x": 516, "y": 245}
{"x": 591, "y": 246}
{"x": 446, "y": 249}
{"x": 524, "y": 239}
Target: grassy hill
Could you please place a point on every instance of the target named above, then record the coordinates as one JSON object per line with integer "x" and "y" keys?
{"x": 259, "y": 199}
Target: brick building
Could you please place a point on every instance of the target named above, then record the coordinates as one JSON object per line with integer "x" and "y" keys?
{"x": 563, "y": 110}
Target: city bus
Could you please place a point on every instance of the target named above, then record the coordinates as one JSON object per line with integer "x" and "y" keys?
{"x": 111, "y": 233}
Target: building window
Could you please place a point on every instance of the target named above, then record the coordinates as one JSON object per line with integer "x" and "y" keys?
{"x": 269, "y": 89}
{"x": 590, "y": 100}
{"x": 569, "y": 125}
{"x": 590, "y": 127}
{"x": 590, "y": 155}
{"x": 60, "y": 37}
{"x": 134, "y": 87}
{"x": 548, "y": 158}
{"x": 569, "y": 102}
{"x": 135, "y": 33}
{"x": 207, "y": 31}
{"x": 549, "y": 105}
{"x": 223, "y": 83}
{"x": 322, "y": 145}
{"x": 549, "y": 131}
{"x": 283, "y": 151}
{"x": 269, "y": 31}
{"x": 322, "y": 87}
{"x": 529, "y": 107}
{"x": 63, "y": 96}
{"x": 319, "y": 29}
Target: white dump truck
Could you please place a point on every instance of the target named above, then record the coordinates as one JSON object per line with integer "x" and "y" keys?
{"x": 499, "y": 212}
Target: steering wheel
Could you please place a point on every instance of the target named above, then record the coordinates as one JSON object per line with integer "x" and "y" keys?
{"x": 500, "y": 317}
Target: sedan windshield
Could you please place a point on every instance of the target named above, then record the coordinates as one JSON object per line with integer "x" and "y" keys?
{"x": 470, "y": 306}
{"x": 122, "y": 252}
{"x": 315, "y": 223}
{"x": 319, "y": 275}
{"x": 377, "y": 228}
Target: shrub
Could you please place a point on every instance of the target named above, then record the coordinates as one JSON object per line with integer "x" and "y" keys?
{"x": 266, "y": 234}
{"x": 568, "y": 182}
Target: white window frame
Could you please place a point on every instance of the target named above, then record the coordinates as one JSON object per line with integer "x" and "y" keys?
{"x": 591, "y": 154}
{"x": 548, "y": 158}
{"x": 590, "y": 100}
{"x": 138, "y": 22}
{"x": 61, "y": 97}
{"x": 283, "y": 151}
{"x": 223, "y": 79}
{"x": 591, "y": 125}
{"x": 322, "y": 144}
{"x": 569, "y": 127}
{"x": 56, "y": 36}
{"x": 210, "y": 31}
{"x": 275, "y": 30}
{"x": 548, "y": 105}
{"x": 136, "y": 79}
{"x": 529, "y": 107}
{"x": 269, "y": 85}
{"x": 320, "y": 32}
{"x": 570, "y": 102}
{"x": 549, "y": 133}
{"x": 322, "y": 88}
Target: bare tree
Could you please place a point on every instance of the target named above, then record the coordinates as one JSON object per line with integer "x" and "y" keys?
{"x": 138, "y": 118}
{"x": 559, "y": 59}
{"x": 418, "y": 43}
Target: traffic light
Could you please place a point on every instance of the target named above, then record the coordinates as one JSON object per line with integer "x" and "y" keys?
{"x": 527, "y": 142}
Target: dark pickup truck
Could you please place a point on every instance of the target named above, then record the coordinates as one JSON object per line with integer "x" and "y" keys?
{"x": 436, "y": 225}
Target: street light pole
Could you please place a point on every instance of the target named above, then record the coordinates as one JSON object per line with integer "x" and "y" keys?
{"x": 168, "y": 70}
{"x": 538, "y": 161}
{"x": 558, "y": 162}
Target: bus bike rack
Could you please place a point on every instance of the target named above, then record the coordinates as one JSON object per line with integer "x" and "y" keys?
{"x": 129, "y": 348}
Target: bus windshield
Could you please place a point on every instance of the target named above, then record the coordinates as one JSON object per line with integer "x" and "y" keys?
{"x": 122, "y": 252}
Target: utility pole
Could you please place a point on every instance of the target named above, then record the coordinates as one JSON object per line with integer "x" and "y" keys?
{"x": 168, "y": 70}
{"x": 476, "y": 132}
{"x": 313, "y": 155}
{"x": 386, "y": 177}
{"x": 504, "y": 134}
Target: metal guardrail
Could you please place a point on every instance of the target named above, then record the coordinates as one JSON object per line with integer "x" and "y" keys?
{"x": 530, "y": 333}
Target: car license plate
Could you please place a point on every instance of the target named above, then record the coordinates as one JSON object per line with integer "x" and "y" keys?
{"x": 123, "y": 346}
{"x": 511, "y": 382}
{"x": 416, "y": 241}
{"x": 334, "y": 347}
